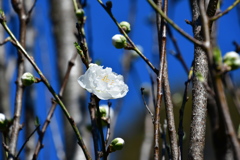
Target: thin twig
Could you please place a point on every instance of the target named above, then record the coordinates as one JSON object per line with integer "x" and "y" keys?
{"x": 145, "y": 103}
{"x": 167, "y": 92}
{"x": 30, "y": 11}
{"x": 233, "y": 91}
{"x": 27, "y": 141}
{"x": 8, "y": 39}
{"x": 53, "y": 107}
{"x": 108, "y": 123}
{"x": 20, "y": 10}
{"x": 178, "y": 54}
{"x": 224, "y": 12}
{"x": 159, "y": 97}
{"x": 164, "y": 16}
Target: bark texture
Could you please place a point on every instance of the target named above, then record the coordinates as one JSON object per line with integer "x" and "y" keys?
{"x": 199, "y": 92}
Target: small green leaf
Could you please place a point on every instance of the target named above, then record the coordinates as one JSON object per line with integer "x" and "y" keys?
{"x": 200, "y": 77}
{"x": 217, "y": 56}
{"x": 36, "y": 122}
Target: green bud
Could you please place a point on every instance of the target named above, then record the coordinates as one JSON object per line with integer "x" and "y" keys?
{"x": 116, "y": 144}
{"x": 103, "y": 111}
{"x": 199, "y": 77}
{"x": 28, "y": 79}
{"x": 80, "y": 13}
{"x": 119, "y": 41}
{"x": 231, "y": 60}
{"x": 125, "y": 26}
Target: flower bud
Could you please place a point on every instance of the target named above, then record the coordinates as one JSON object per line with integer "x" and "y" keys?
{"x": 119, "y": 41}
{"x": 125, "y": 26}
{"x": 103, "y": 111}
{"x": 116, "y": 144}
{"x": 232, "y": 60}
{"x": 80, "y": 13}
{"x": 28, "y": 79}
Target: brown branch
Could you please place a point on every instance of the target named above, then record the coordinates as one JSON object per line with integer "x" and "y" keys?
{"x": 27, "y": 141}
{"x": 219, "y": 89}
{"x": 234, "y": 91}
{"x": 178, "y": 54}
{"x": 8, "y": 39}
{"x": 167, "y": 93}
{"x": 199, "y": 92}
{"x": 94, "y": 127}
{"x": 108, "y": 123}
{"x": 159, "y": 96}
{"x": 224, "y": 12}
{"x": 145, "y": 104}
{"x": 20, "y": 10}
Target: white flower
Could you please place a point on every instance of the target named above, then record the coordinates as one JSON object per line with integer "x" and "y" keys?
{"x": 2, "y": 117}
{"x": 104, "y": 83}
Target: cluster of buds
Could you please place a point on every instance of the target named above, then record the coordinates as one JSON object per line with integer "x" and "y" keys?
{"x": 118, "y": 40}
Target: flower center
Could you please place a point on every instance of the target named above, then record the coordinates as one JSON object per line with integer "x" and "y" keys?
{"x": 105, "y": 79}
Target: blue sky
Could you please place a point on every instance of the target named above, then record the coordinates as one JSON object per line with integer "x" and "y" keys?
{"x": 142, "y": 34}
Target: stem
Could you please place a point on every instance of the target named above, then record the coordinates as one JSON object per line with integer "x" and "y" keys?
{"x": 224, "y": 12}
{"x": 20, "y": 10}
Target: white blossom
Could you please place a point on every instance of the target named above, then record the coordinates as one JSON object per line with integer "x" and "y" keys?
{"x": 104, "y": 83}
